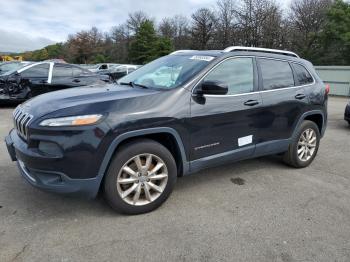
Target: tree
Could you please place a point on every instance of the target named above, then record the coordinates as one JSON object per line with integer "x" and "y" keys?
{"x": 307, "y": 19}
{"x": 121, "y": 38}
{"x": 177, "y": 30}
{"x": 225, "y": 23}
{"x": 84, "y": 46}
{"x": 135, "y": 20}
{"x": 147, "y": 46}
{"x": 203, "y": 28}
{"x": 336, "y": 35}
{"x": 259, "y": 23}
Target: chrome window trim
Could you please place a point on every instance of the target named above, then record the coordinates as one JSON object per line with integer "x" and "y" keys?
{"x": 261, "y": 91}
{"x": 255, "y": 92}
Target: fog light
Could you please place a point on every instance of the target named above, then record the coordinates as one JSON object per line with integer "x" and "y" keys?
{"x": 50, "y": 148}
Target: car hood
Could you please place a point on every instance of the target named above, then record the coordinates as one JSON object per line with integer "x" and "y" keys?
{"x": 54, "y": 101}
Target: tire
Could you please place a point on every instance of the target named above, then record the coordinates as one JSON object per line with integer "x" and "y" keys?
{"x": 291, "y": 157}
{"x": 122, "y": 189}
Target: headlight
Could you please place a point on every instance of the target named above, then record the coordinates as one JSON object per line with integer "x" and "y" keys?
{"x": 72, "y": 120}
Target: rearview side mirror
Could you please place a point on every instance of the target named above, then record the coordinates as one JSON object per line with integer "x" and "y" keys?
{"x": 212, "y": 88}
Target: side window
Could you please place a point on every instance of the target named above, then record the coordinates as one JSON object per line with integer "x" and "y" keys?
{"x": 38, "y": 71}
{"x": 237, "y": 73}
{"x": 276, "y": 74}
{"x": 303, "y": 76}
{"x": 61, "y": 71}
{"x": 103, "y": 67}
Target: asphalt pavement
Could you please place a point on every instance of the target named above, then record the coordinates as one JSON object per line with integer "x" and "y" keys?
{"x": 254, "y": 210}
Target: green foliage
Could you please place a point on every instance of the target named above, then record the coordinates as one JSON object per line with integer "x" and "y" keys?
{"x": 99, "y": 58}
{"x": 336, "y": 36}
{"x": 147, "y": 46}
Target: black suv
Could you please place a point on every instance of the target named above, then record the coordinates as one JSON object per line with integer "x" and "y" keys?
{"x": 174, "y": 116}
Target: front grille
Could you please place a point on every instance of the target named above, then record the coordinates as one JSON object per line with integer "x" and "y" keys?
{"x": 21, "y": 121}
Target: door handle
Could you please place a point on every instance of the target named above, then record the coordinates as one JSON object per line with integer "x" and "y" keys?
{"x": 300, "y": 96}
{"x": 43, "y": 82}
{"x": 251, "y": 103}
{"x": 76, "y": 81}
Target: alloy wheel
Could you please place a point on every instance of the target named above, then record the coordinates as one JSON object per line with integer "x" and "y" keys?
{"x": 307, "y": 145}
{"x": 142, "y": 179}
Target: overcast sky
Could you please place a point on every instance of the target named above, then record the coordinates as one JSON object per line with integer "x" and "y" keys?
{"x": 33, "y": 24}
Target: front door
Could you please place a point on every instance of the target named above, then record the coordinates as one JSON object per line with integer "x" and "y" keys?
{"x": 35, "y": 79}
{"x": 224, "y": 126}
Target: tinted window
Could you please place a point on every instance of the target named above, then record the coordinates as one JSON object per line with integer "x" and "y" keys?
{"x": 41, "y": 70}
{"x": 61, "y": 71}
{"x": 276, "y": 74}
{"x": 303, "y": 76}
{"x": 237, "y": 73}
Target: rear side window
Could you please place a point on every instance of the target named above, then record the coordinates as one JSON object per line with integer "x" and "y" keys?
{"x": 38, "y": 71}
{"x": 276, "y": 74}
{"x": 303, "y": 76}
{"x": 237, "y": 73}
{"x": 61, "y": 71}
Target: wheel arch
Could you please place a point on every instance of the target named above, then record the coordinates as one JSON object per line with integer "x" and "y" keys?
{"x": 160, "y": 135}
{"x": 316, "y": 116}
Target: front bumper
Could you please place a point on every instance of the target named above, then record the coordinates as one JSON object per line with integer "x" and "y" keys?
{"x": 48, "y": 180}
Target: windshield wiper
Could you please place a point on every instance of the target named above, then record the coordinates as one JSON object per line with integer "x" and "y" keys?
{"x": 133, "y": 84}
{"x": 126, "y": 84}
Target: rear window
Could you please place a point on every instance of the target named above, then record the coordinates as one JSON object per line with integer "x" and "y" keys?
{"x": 303, "y": 76}
{"x": 276, "y": 74}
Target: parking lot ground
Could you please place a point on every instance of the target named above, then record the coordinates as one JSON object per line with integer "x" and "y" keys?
{"x": 255, "y": 210}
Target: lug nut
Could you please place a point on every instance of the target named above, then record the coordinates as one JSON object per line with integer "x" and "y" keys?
{"x": 142, "y": 184}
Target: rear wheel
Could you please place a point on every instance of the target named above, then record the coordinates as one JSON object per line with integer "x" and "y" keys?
{"x": 304, "y": 147}
{"x": 140, "y": 178}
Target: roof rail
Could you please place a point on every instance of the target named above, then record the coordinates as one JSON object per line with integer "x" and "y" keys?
{"x": 181, "y": 51}
{"x": 258, "y": 49}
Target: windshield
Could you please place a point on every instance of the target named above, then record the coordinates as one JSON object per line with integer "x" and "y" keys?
{"x": 167, "y": 72}
{"x": 8, "y": 69}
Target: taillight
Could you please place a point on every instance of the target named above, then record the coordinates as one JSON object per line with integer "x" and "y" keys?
{"x": 328, "y": 88}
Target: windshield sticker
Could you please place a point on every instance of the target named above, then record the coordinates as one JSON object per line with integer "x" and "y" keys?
{"x": 203, "y": 58}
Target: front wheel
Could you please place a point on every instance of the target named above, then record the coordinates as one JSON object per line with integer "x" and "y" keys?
{"x": 140, "y": 177}
{"x": 304, "y": 146}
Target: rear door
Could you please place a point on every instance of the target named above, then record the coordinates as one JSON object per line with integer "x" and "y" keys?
{"x": 62, "y": 77}
{"x": 225, "y": 124}
{"x": 284, "y": 99}
{"x": 83, "y": 77}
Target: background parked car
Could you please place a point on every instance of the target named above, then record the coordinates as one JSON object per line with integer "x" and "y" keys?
{"x": 38, "y": 78}
{"x": 347, "y": 113}
{"x": 119, "y": 71}
{"x": 100, "y": 68}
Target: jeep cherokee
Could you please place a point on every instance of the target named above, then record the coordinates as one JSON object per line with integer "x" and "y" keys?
{"x": 179, "y": 114}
